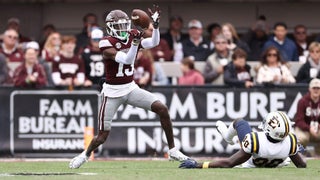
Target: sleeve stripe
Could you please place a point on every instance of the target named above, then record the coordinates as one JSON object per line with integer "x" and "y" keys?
{"x": 293, "y": 147}
{"x": 254, "y": 142}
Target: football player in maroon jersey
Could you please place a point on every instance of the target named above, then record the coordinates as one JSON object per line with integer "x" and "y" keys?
{"x": 119, "y": 50}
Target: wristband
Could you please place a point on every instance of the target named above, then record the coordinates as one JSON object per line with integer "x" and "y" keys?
{"x": 205, "y": 165}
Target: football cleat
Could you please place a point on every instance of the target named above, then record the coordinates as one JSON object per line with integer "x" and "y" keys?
{"x": 222, "y": 129}
{"x": 175, "y": 155}
{"x": 77, "y": 161}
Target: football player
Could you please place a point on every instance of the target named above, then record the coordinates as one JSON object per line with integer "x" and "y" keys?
{"x": 119, "y": 50}
{"x": 269, "y": 148}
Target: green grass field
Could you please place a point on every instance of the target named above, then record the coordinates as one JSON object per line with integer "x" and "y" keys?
{"x": 147, "y": 169}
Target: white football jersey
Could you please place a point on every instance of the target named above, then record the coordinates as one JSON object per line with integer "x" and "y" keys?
{"x": 268, "y": 154}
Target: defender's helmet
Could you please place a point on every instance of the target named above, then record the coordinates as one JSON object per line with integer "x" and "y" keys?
{"x": 277, "y": 125}
{"x": 118, "y": 24}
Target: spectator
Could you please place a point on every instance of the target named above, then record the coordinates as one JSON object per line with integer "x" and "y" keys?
{"x": 256, "y": 38}
{"x": 14, "y": 23}
{"x": 5, "y": 78}
{"x": 92, "y": 57}
{"x": 273, "y": 70}
{"x": 174, "y": 35}
{"x": 46, "y": 65}
{"x": 237, "y": 72}
{"x": 213, "y": 30}
{"x": 190, "y": 76}
{"x": 311, "y": 68}
{"x": 229, "y": 31}
{"x": 46, "y": 31}
{"x": 216, "y": 61}
{"x": 302, "y": 44}
{"x": 83, "y": 38}
{"x": 9, "y": 46}
{"x": 68, "y": 69}
{"x": 143, "y": 68}
{"x": 30, "y": 74}
{"x": 307, "y": 116}
{"x": 50, "y": 51}
{"x": 195, "y": 47}
{"x": 285, "y": 45}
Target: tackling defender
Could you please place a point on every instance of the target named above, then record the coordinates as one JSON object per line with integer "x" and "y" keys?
{"x": 119, "y": 51}
{"x": 269, "y": 148}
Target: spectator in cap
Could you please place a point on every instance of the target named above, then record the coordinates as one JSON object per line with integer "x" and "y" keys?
{"x": 307, "y": 120}
{"x": 14, "y": 23}
{"x": 46, "y": 65}
{"x": 174, "y": 36}
{"x": 9, "y": 46}
{"x": 30, "y": 74}
{"x": 213, "y": 30}
{"x": 195, "y": 47}
{"x": 92, "y": 58}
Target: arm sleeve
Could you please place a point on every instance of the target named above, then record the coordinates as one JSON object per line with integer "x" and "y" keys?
{"x": 127, "y": 58}
{"x": 152, "y": 41}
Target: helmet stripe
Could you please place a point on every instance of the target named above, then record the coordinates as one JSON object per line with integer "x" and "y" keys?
{"x": 286, "y": 122}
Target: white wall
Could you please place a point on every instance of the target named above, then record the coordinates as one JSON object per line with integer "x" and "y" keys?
{"x": 68, "y": 16}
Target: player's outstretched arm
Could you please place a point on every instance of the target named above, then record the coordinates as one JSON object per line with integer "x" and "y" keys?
{"x": 236, "y": 159}
{"x": 298, "y": 160}
{"x": 154, "y": 40}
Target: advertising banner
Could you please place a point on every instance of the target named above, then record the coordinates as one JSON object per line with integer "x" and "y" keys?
{"x": 45, "y": 122}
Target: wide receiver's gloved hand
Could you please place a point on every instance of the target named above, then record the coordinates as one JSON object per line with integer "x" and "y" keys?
{"x": 155, "y": 15}
{"x": 137, "y": 35}
{"x": 188, "y": 164}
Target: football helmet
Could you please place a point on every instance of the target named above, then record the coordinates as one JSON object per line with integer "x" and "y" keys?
{"x": 118, "y": 24}
{"x": 277, "y": 125}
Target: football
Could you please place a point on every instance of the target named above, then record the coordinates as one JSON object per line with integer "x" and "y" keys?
{"x": 140, "y": 19}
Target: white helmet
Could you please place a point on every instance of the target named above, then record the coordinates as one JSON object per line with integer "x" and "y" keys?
{"x": 118, "y": 24}
{"x": 277, "y": 125}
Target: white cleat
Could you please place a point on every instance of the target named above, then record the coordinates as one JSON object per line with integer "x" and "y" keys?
{"x": 223, "y": 129}
{"x": 77, "y": 161}
{"x": 175, "y": 155}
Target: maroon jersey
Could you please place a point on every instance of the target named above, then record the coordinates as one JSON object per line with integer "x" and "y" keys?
{"x": 21, "y": 73}
{"x": 117, "y": 73}
{"x": 68, "y": 67}
{"x": 142, "y": 65}
{"x": 307, "y": 111}
{"x": 15, "y": 56}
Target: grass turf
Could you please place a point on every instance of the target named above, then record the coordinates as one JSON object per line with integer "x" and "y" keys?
{"x": 148, "y": 169}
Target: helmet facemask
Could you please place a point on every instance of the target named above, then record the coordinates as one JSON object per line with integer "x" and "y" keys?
{"x": 119, "y": 29}
{"x": 276, "y": 125}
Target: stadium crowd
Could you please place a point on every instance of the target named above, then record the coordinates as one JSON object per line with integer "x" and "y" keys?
{"x": 75, "y": 60}
{"x": 58, "y": 60}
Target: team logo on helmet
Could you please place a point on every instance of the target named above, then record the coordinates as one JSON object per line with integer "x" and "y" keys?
{"x": 118, "y": 24}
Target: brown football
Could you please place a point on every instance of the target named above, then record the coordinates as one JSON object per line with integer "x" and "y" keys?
{"x": 140, "y": 19}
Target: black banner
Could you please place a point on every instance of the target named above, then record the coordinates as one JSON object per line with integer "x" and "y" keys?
{"x": 50, "y": 123}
